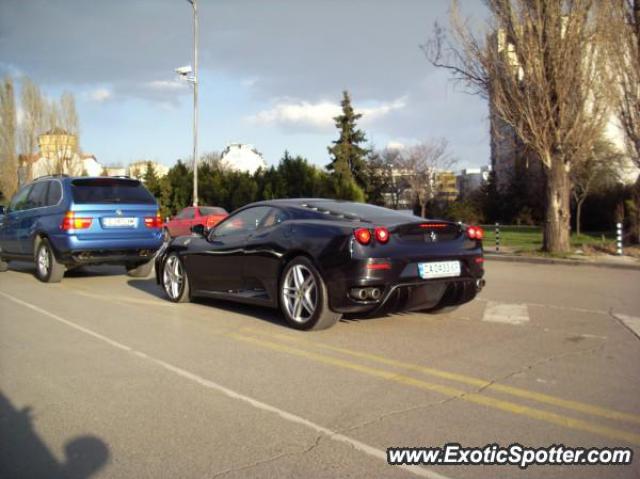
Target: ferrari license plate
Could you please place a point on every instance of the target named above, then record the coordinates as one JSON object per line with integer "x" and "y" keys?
{"x": 119, "y": 222}
{"x": 439, "y": 269}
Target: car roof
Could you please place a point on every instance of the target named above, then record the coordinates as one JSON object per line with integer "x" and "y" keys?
{"x": 299, "y": 202}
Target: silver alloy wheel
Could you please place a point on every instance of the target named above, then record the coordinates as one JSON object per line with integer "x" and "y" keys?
{"x": 173, "y": 277}
{"x": 43, "y": 262}
{"x": 300, "y": 293}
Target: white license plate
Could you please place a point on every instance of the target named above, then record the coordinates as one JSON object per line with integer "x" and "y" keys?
{"x": 119, "y": 222}
{"x": 439, "y": 269}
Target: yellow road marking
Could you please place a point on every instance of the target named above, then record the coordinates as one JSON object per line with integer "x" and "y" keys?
{"x": 553, "y": 418}
{"x": 477, "y": 382}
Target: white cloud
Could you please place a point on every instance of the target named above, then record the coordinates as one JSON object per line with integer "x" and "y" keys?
{"x": 249, "y": 82}
{"x": 319, "y": 115}
{"x": 167, "y": 85}
{"x": 373, "y": 113}
{"x": 395, "y": 145}
{"x": 100, "y": 94}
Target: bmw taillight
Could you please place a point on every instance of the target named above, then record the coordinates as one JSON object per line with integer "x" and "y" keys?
{"x": 73, "y": 222}
{"x": 153, "y": 221}
{"x": 382, "y": 234}
{"x": 475, "y": 232}
{"x": 363, "y": 235}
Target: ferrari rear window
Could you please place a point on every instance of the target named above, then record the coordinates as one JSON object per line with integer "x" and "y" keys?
{"x": 110, "y": 190}
{"x": 349, "y": 210}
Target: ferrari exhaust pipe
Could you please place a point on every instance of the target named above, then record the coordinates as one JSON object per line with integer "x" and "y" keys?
{"x": 480, "y": 284}
{"x": 359, "y": 293}
{"x": 374, "y": 293}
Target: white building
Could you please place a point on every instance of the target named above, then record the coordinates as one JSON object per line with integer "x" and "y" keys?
{"x": 239, "y": 157}
{"x": 75, "y": 165}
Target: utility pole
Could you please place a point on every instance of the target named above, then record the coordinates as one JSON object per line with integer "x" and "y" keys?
{"x": 194, "y": 5}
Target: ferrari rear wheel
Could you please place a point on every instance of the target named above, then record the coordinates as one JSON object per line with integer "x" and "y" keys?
{"x": 174, "y": 280}
{"x": 303, "y": 296}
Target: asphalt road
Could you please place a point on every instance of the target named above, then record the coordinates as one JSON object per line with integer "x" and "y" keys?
{"x": 102, "y": 377}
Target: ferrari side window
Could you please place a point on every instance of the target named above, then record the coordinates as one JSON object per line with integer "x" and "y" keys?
{"x": 242, "y": 223}
{"x": 274, "y": 217}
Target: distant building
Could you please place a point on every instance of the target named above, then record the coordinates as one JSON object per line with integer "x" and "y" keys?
{"x": 472, "y": 179}
{"x": 240, "y": 157}
{"x": 400, "y": 195}
{"x": 137, "y": 169}
{"x": 58, "y": 153}
{"x": 58, "y": 143}
{"x": 115, "y": 171}
{"x": 445, "y": 186}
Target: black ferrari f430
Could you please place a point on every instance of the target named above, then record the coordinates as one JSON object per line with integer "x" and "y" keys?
{"x": 317, "y": 259}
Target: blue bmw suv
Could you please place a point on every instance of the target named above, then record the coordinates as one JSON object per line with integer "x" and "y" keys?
{"x": 60, "y": 223}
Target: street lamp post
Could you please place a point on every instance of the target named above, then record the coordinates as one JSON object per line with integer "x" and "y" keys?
{"x": 194, "y": 80}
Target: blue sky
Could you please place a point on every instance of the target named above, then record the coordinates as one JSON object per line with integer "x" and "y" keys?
{"x": 272, "y": 73}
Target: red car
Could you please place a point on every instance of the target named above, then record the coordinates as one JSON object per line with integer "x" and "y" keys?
{"x": 181, "y": 224}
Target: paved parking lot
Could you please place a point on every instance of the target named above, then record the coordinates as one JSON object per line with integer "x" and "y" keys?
{"x": 102, "y": 377}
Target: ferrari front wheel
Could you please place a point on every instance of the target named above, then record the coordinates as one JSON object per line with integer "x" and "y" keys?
{"x": 174, "y": 279}
{"x": 303, "y": 296}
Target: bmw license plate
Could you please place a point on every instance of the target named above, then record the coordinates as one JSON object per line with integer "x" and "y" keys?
{"x": 119, "y": 222}
{"x": 439, "y": 269}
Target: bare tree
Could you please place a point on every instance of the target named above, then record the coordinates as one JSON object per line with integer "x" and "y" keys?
{"x": 213, "y": 159}
{"x": 383, "y": 166}
{"x": 62, "y": 120}
{"x": 8, "y": 158}
{"x": 596, "y": 172}
{"x": 542, "y": 68}
{"x": 623, "y": 51}
{"x": 33, "y": 121}
{"x": 419, "y": 166}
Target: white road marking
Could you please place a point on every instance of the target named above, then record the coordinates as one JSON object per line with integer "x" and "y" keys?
{"x": 505, "y": 313}
{"x": 336, "y": 436}
{"x": 631, "y": 322}
{"x": 555, "y": 306}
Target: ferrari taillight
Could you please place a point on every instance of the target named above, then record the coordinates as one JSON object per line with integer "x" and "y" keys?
{"x": 153, "y": 221}
{"x": 382, "y": 234}
{"x": 363, "y": 235}
{"x": 475, "y": 232}
{"x": 72, "y": 222}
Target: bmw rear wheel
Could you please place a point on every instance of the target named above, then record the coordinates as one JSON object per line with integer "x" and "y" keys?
{"x": 303, "y": 296}
{"x": 48, "y": 269}
{"x": 174, "y": 279}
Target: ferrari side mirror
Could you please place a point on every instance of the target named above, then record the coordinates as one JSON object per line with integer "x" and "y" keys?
{"x": 199, "y": 230}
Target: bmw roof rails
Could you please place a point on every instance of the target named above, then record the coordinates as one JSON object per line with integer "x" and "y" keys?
{"x": 57, "y": 175}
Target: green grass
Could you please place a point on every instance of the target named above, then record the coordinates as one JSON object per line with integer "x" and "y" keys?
{"x": 528, "y": 239}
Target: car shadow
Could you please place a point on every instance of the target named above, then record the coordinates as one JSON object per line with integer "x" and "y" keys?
{"x": 262, "y": 313}
{"x": 80, "y": 272}
{"x": 24, "y": 454}
{"x": 269, "y": 315}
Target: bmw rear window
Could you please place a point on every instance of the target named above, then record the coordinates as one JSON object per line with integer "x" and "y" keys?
{"x": 110, "y": 190}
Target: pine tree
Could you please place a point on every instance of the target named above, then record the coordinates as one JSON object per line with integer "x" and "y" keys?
{"x": 151, "y": 180}
{"x": 347, "y": 154}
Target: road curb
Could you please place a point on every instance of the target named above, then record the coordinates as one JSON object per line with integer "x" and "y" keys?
{"x": 570, "y": 262}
